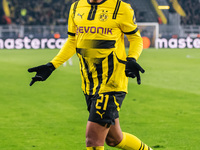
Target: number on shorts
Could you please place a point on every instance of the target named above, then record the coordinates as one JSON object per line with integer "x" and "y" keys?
{"x": 101, "y": 101}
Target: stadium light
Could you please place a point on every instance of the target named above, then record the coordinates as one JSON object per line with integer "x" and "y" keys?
{"x": 163, "y": 7}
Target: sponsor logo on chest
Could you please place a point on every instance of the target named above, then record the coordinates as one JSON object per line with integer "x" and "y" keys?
{"x": 93, "y": 30}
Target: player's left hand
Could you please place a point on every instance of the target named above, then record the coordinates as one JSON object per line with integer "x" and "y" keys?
{"x": 133, "y": 69}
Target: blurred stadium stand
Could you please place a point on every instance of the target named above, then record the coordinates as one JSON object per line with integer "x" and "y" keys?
{"x": 144, "y": 10}
{"x": 192, "y": 9}
{"x": 44, "y": 18}
{"x": 39, "y": 12}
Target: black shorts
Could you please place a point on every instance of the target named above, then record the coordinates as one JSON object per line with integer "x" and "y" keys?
{"x": 104, "y": 108}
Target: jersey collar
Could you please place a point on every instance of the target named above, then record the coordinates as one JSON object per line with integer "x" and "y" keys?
{"x": 95, "y": 3}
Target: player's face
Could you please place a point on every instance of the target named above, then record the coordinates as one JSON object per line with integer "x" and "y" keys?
{"x": 95, "y": 1}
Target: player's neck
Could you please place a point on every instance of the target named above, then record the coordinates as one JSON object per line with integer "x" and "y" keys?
{"x": 96, "y": 1}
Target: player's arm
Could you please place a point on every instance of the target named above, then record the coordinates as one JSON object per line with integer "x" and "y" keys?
{"x": 129, "y": 27}
{"x": 67, "y": 51}
{"x": 136, "y": 44}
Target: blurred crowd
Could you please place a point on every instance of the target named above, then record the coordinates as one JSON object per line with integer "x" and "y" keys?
{"x": 39, "y": 12}
{"x": 55, "y": 12}
{"x": 192, "y": 10}
{"x": 43, "y": 12}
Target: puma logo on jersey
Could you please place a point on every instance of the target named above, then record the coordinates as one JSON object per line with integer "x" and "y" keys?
{"x": 93, "y": 29}
{"x": 101, "y": 115}
{"x": 80, "y": 15}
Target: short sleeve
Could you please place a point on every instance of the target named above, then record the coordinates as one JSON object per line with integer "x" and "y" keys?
{"x": 127, "y": 20}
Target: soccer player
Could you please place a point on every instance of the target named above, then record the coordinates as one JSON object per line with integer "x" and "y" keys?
{"x": 96, "y": 31}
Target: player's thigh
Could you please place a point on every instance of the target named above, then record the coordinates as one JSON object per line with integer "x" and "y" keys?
{"x": 114, "y": 136}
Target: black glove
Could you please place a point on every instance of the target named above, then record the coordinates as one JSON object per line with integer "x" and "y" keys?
{"x": 133, "y": 68}
{"x": 42, "y": 72}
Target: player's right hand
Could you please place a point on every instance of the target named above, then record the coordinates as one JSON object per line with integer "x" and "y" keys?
{"x": 42, "y": 72}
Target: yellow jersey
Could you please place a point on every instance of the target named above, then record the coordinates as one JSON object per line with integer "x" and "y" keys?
{"x": 96, "y": 33}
